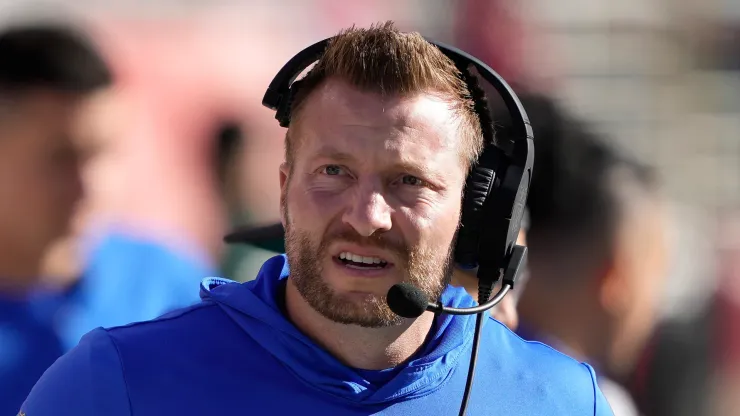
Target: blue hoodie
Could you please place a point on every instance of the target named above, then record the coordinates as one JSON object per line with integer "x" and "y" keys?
{"x": 236, "y": 353}
{"x": 28, "y": 345}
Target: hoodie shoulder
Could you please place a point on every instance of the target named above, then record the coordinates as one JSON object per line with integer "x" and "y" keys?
{"x": 190, "y": 320}
{"x": 562, "y": 381}
{"x": 88, "y": 380}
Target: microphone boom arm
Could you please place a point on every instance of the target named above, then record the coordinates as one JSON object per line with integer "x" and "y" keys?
{"x": 438, "y": 308}
{"x": 511, "y": 273}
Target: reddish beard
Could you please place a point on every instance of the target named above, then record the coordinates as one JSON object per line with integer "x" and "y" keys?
{"x": 422, "y": 267}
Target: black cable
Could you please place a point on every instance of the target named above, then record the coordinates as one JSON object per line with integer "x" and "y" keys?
{"x": 484, "y": 294}
{"x": 473, "y": 359}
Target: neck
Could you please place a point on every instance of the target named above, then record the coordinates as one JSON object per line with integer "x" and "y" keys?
{"x": 563, "y": 325}
{"x": 355, "y": 346}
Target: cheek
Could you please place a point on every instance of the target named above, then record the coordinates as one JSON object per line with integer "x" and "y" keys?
{"x": 311, "y": 206}
{"x": 30, "y": 189}
{"x": 432, "y": 224}
{"x": 28, "y": 207}
{"x": 644, "y": 298}
{"x": 652, "y": 269}
{"x": 63, "y": 183}
{"x": 59, "y": 179}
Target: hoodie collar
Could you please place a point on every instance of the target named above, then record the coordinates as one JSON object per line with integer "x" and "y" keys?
{"x": 254, "y": 306}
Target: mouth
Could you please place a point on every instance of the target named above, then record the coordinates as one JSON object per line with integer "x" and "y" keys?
{"x": 361, "y": 262}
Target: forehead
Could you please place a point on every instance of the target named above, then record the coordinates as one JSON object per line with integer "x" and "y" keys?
{"x": 38, "y": 109}
{"x": 44, "y": 123}
{"x": 421, "y": 124}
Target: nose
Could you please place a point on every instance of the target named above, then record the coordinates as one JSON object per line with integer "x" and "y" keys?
{"x": 369, "y": 212}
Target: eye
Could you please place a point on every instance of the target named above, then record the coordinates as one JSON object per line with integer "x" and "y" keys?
{"x": 331, "y": 170}
{"x": 412, "y": 180}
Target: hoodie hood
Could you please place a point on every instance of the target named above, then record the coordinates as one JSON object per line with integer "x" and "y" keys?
{"x": 254, "y": 307}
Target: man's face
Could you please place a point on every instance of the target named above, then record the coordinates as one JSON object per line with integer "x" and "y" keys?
{"x": 39, "y": 169}
{"x": 372, "y": 199}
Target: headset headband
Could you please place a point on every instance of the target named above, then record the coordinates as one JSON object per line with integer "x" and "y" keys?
{"x": 279, "y": 89}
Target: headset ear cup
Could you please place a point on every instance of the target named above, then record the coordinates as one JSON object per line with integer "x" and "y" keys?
{"x": 478, "y": 187}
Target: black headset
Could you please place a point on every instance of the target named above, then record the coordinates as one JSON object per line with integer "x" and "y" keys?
{"x": 497, "y": 185}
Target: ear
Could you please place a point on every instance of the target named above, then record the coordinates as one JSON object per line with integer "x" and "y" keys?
{"x": 284, "y": 179}
{"x": 612, "y": 288}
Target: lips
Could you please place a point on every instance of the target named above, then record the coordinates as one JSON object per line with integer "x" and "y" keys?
{"x": 362, "y": 258}
{"x": 360, "y": 262}
{"x": 350, "y": 257}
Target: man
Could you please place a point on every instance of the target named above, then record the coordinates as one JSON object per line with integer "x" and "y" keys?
{"x": 115, "y": 272}
{"x": 597, "y": 249}
{"x": 375, "y": 162}
{"x": 48, "y": 78}
{"x": 52, "y": 82}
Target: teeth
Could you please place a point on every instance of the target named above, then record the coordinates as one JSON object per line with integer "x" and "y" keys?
{"x": 345, "y": 255}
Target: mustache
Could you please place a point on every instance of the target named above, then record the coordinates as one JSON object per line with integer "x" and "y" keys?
{"x": 378, "y": 241}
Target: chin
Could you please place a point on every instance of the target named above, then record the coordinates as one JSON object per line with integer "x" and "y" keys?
{"x": 360, "y": 298}
{"x": 357, "y": 292}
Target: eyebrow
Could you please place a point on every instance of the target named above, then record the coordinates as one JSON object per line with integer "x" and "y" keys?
{"x": 436, "y": 179}
{"x": 329, "y": 152}
{"x": 334, "y": 154}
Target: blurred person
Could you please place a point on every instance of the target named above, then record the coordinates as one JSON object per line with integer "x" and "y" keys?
{"x": 375, "y": 165}
{"x": 597, "y": 249}
{"x": 48, "y": 75}
{"x": 114, "y": 273}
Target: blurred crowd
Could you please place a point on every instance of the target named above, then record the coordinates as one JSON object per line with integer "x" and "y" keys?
{"x": 132, "y": 140}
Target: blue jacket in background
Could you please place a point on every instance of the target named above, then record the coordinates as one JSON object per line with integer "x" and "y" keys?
{"x": 127, "y": 279}
{"x": 236, "y": 353}
{"x": 28, "y": 345}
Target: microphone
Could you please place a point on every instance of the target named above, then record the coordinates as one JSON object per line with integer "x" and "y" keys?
{"x": 408, "y": 301}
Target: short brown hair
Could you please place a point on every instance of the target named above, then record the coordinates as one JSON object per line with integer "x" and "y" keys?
{"x": 383, "y": 60}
